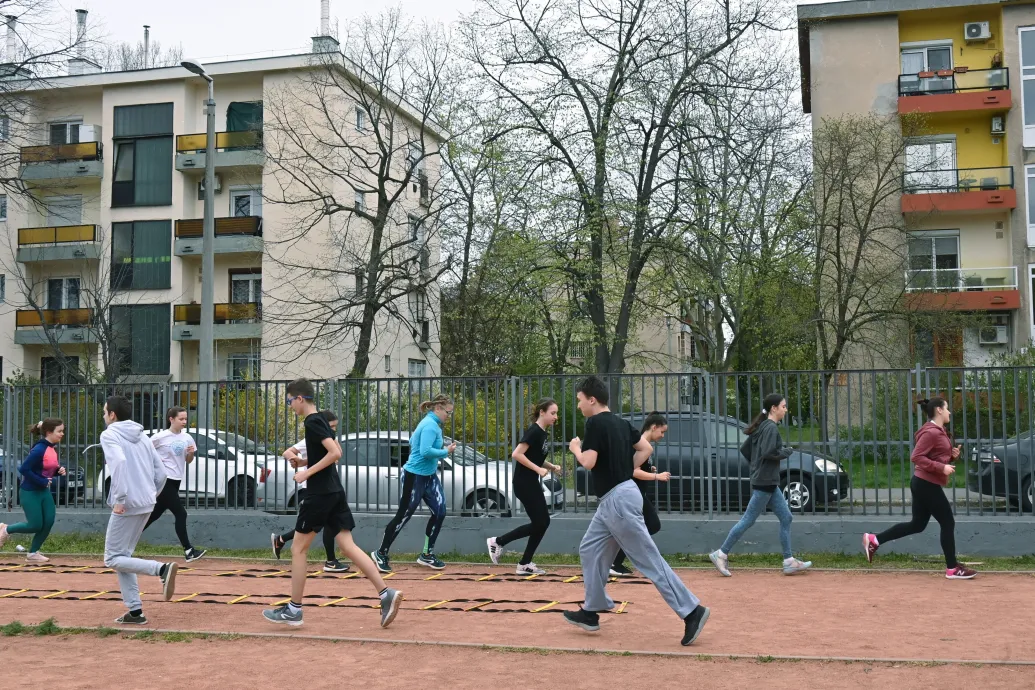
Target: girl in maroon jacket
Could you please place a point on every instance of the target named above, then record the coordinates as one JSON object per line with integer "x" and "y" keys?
{"x": 933, "y": 456}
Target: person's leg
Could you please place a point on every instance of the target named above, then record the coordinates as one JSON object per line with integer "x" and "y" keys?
{"x": 941, "y": 510}
{"x": 921, "y": 514}
{"x": 32, "y": 506}
{"x": 524, "y": 493}
{"x": 359, "y": 558}
{"x": 175, "y": 506}
{"x": 48, "y": 512}
{"x": 161, "y": 503}
{"x": 653, "y": 522}
{"x": 299, "y": 571}
{"x": 539, "y": 514}
{"x": 778, "y": 502}
{"x": 328, "y": 544}
{"x": 756, "y": 505}
{"x": 408, "y": 502}
{"x": 597, "y": 552}
{"x": 120, "y": 540}
{"x": 435, "y": 498}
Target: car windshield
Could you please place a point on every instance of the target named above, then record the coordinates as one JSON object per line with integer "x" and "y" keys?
{"x": 239, "y": 442}
{"x": 468, "y": 457}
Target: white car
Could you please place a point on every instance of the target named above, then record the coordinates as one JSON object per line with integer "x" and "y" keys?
{"x": 371, "y": 466}
{"x": 227, "y": 467}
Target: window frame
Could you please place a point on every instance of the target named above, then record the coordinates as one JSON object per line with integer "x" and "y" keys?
{"x": 1027, "y": 74}
{"x": 66, "y": 282}
{"x": 254, "y": 194}
{"x": 117, "y": 276}
{"x": 252, "y": 360}
{"x": 1029, "y": 206}
{"x": 126, "y": 367}
{"x": 3, "y": 207}
{"x": 120, "y": 189}
{"x": 413, "y": 362}
{"x": 64, "y": 377}
{"x": 67, "y": 123}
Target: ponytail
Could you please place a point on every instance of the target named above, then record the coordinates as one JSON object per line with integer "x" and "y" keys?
{"x": 438, "y": 401}
{"x": 540, "y": 407}
{"x": 45, "y": 426}
{"x": 772, "y": 400}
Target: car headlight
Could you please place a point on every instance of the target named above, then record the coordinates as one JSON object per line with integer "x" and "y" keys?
{"x": 827, "y": 466}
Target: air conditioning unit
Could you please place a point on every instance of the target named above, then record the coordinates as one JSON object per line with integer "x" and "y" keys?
{"x": 993, "y": 335}
{"x": 998, "y": 125}
{"x": 201, "y": 187}
{"x": 977, "y": 31}
{"x": 90, "y": 133}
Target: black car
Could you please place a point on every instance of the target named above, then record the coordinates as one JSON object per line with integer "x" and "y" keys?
{"x": 721, "y": 476}
{"x": 1004, "y": 469}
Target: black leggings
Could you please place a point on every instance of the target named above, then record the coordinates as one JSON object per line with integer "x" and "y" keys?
{"x": 169, "y": 500}
{"x": 530, "y": 493}
{"x": 928, "y": 500}
{"x": 328, "y": 535}
{"x": 650, "y": 518}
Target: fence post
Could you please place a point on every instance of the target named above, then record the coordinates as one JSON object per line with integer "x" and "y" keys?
{"x": 8, "y": 473}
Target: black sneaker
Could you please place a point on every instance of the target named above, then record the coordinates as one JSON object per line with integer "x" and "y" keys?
{"x": 277, "y": 545}
{"x": 695, "y": 624}
{"x": 430, "y": 560}
{"x": 129, "y": 619}
{"x": 620, "y": 571}
{"x": 194, "y": 554}
{"x": 381, "y": 561}
{"x": 335, "y": 566}
{"x": 587, "y": 620}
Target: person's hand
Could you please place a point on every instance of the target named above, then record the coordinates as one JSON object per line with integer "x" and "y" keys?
{"x": 301, "y": 476}
{"x": 557, "y": 469}
{"x": 297, "y": 461}
{"x": 452, "y": 447}
{"x": 575, "y": 446}
{"x": 542, "y": 471}
{"x": 948, "y": 469}
{"x": 49, "y": 482}
{"x": 118, "y": 509}
{"x": 62, "y": 471}
{"x": 956, "y": 452}
{"x": 664, "y": 476}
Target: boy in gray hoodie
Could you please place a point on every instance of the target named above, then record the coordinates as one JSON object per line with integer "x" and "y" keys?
{"x": 137, "y": 477}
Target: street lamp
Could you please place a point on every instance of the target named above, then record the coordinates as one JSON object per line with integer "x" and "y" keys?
{"x": 206, "y": 353}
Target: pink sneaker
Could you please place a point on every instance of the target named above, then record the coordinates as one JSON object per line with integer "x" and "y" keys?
{"x": 870, "y": 546}
{"x": 36, "y": 557}
{"x": 3, "y": 535}
{"x": 960, "y": 573}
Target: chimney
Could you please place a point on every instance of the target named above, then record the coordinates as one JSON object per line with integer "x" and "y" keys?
{"x": 80, "y": 32}
{"x": 325, "y": 17}
{"x": 12, "y": 38}
{"x": 325, "y": 42}
{"x": 147, "y": 44}
{"x": 81, "y": 64}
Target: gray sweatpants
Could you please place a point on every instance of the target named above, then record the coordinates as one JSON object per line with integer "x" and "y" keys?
{"x": 618, "y": 523}
{"x": 119, "y": 543}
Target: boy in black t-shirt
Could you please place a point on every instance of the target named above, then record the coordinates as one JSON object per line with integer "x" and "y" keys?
{"x": 611, "y": 450}
{"x": 324, "y": 507}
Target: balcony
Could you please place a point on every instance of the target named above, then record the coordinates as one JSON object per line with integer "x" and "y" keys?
{"x": 233, "y": 321}
{"x": 61, "y": 243}
{"x": 958, "y": 189}
{"x": 62, "y": 161}
{"x": 239, "y": 235}
{"x": 958, "y": 90}
{"x": 233, "y": 150}
{"x": 963, "y": 289}
{"x": 66, "y": 326}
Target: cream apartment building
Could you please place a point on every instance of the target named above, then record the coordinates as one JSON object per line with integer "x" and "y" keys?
{"x": 112, "y": 164}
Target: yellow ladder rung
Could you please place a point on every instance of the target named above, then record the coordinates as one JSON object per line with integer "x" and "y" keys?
{"x": 385, "y": 577}
{"x": 333, "y": 602}
{"x": 349, "y": 576}
{"x": 94, "y": 595}
{"x": 281, "y": 602}
{"x": 13, "y": 567}
{"x": 229, "y": 572}
{"x": 572, "y": 579}
{"x": 543, "y": 608}
{"x": 478, "y": 606}
{"x": 54, "y": 594}
{"x": 621, "y": 608}
{"x": 76, "y": 570}
{"x": 279, "y": 572}
{"x": 11, "y": 594}
{"x": 487, "y": 577}
{"x": 531, "y": 577}
{"x": 435, "y": 577}
{"x": 240, "y": 598}
{"x": 188, "y": 597}
{"x": 314, "y": 573}
{"x": 439, "y": 603}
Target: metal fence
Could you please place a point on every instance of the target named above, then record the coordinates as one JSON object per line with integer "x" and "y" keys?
{"x": 851, "y": 431}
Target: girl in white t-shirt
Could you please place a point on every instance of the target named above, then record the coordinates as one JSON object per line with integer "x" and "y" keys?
{"x": 297, "y": 456}
{"x": 176, "y": 448}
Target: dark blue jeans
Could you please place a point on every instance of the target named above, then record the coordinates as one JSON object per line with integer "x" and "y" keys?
{"x": 756, "y": 506}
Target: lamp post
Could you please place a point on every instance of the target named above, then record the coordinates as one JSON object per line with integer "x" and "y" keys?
{"x": 206, "y": 353}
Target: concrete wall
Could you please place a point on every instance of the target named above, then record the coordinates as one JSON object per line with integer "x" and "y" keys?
{"x": 976, "y": 536}
{"x": 855, "y": 67}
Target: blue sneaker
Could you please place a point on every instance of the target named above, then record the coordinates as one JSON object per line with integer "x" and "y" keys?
{"x": 381, "y": 561}
{"x": 390, "y": 606}
{"x": 430, "y": 560}
{"x": 282, "y": 614}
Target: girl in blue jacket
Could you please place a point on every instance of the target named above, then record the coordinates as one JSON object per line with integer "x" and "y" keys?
{"x": 420, "y": 481}
{"x": 38, "y": 471}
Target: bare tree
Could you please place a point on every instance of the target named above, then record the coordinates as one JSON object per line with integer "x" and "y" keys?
{"x": 124, "y": 56}
{"x": 351, "y": 146}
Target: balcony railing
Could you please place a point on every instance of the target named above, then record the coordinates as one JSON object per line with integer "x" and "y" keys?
{"x": 234, "y": 312}
{"x": 63, "y": 234}
{"x": 962, "y": 279}
{"x": 197, "y": 143}
{"x": 958, "y": 80}
{"x": 957, "y": 180}
{"x": 59, "y": 153}
{"x": 31, "y": 318}
{"x": 239, "y": 225}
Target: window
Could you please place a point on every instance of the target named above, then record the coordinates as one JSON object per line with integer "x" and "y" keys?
{"x": 3, "y": 288}
{"x": 360, "y": 202}
{"x": 243, "y": 366}
{"x": 361, "y": 281}
{"x": 416, "y": 368}
{"x": 63, "y": 293}
{"x": 64, "y": 210}
{"x": 415, "y": 157}
{"x": 416, "y": 229}
{"x": 388, "y": 363}
{"x": 1027, "y": 40}
{"x": 141, "y": 255}
{"x": 934, "y": 261}
{"x": 245, "y": 201}
{"x": 926, "y": 57}
{"x": 64, "y": 132}
{"x": 141, "y": 338}
{"x": 938, "y": 348}
{"x": 419, "y": 305}
{"x": 931, "y": 165}
{"x": 361, "y": 119}
{"x": 246, "y": 286}
{"x": 5, "y": 127}
{"x": 143, "y": 155}
{"x": 1031, "y": 282}
{"x": 52, "y": 372}
{"x": 3, "y": 207}
{"x": 1029, "y": 187}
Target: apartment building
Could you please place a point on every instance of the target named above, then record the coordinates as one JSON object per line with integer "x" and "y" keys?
{"x": 968, "y": 193}
{"x": 111, "y": 221}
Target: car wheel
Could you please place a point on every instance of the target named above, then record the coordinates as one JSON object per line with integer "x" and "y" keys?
{"x": 1028, "y": 496}
{"x": 484, "y": 503}
{"x": 797, "y": 489}
{"x": 240, "y": 492}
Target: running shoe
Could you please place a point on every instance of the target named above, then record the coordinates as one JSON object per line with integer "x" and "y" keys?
{"x": 495, "y": 550}
{"x": 282, "y": 614}
{"x": 390, "y": 606}
{"x": 694, "y": 624}
{"x": 129, "y": 619}
{"x": 381, "y": 561}
{"x": 721, "y": 562}
{"x": 168, "y": 576}
{"x": 430, "y": 560}
{"x": 335, "y": 566}
{"x": 277, "y": 545}
{"x": 960, "y": 573}
{"x": 529, "y": 569}
{"x": 3, "y": 535}
{"x": 794, "y": 566}
{"x": 194, "y": 554}
{"x": 587, "y": 620}
{"x": 36, "y": 557}
{"x": 870, "y": 546}
{"x": 620, "y": 571}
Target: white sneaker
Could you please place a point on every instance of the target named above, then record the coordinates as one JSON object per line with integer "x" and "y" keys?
{"x": 530, "y": 569}
{"x": 794, "y": 566}
{"x": 495, "y": 550}
{"x": 36, "y": 557}
{"x": 3, "y": 535}
{"x": 721, "y": 562}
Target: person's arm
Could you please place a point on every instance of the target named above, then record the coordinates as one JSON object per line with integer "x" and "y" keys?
{"x": 427, "y": 445}
{"x": 646, "y": 476}
{"x": 157, "y": 469}
{"x": 31, "y": 468}
{"x": 642, "y": 450}
{"x": 115, "y": 459}
{"x": 921, "y": 455}
{"x": 192, "y": 448}
{"x": 522, "y": 459}
{"x": 333, "y": 456}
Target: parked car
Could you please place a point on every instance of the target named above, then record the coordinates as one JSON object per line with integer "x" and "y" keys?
{"x": 227, "y": 467}
{"x": 1004, "y": 469}
{"x": 809, "y": 480}
{"x": 372, "y": 462}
